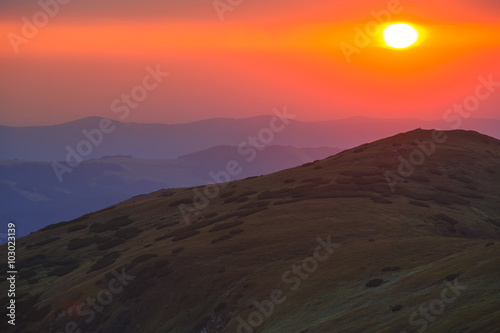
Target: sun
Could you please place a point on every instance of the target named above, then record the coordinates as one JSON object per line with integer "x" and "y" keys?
{"x": 400, "y": 35}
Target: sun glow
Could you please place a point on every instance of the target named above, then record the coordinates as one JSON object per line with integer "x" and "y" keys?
{"x": 400, "y": 35}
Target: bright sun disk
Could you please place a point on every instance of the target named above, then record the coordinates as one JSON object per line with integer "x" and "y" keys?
{"x": 400, "y": 35}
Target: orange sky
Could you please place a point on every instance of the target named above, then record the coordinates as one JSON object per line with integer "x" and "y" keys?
{"x": 264, "y": 54}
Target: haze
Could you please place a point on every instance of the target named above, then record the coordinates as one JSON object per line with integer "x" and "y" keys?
{"x": 262, "y": 55}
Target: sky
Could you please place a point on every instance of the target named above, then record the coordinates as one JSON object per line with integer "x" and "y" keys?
{"x": 316, "y": 57}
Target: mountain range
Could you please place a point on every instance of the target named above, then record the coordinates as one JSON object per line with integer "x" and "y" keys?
{"x": 152, "y": 141}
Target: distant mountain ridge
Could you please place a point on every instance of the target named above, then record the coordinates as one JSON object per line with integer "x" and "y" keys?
{"x": 48, "y": 143}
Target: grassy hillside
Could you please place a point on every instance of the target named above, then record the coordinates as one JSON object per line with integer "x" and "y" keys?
{"x": 328, "y": 244}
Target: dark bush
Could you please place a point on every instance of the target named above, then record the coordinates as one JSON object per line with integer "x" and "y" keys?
{"x": 221, "y": 238}
{"x": 77, "y": 227}
{"x": 368, "y": 181}
{"x": 236, "y": 231}
{"x": 489, "y": 244}
{"x": 307, "y": 164}
{"x": 226, "y": 225}
{"x": 289, "y": 180}
{"x": 184, "y": 235}
{"x": 55, "y": 225}
{"x": 391, "y": 269}
{"x": 444, "y": 188}
{"x": 374, "y": 283}
{"x": 105, "y": 261}
{"x": 316, "y": 180}
{"x": 460, "y": 178}
{"x": 143, "y": 258}
{"x": 246, "y": 194}
{"x": 419, "y": 203}
{"x": 77, "y": 243}
{"x": 227, "y": 194}
{"x": 65, "y": 267}
{"x": 396, "y": 308}
{"x": 128, "y": 233}
{"x": 109, "y": 243}
{"x": 381, "y": 200}
{"x": 446, "y": 218}
{"x": 247, "y": 212}
{"x": 166, "y": 225}
{"x": 471, "y": 195}
{"x": 489, "y": 170}
{"x": 244, "y": 199}
{"x": 221, "y": 306}
{"x": 286, "y": 202}
{"x": 44, "y": 242}
{"x": 421, "y": 179}
{"x": 177, "y": 250}
{"x": 240, "y": 198}
{"x": 364, "y": 173}
{"x": 186, "y": 201}
{"x": 471, "y": 187}
{"x": 452, "y": 277}
{"x": 161, "y": 268}
{"x": 231, "y": 199}
{"x": 112, "y": 224}
{"x": 255, "y": 204}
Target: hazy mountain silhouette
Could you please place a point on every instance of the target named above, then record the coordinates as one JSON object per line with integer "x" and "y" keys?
{"x": 48, "y": 143}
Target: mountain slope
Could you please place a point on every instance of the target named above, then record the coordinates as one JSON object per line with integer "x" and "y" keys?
{"x": 326, "y": 247}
